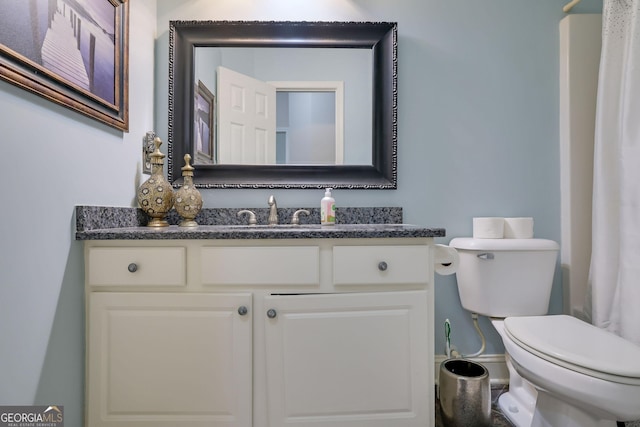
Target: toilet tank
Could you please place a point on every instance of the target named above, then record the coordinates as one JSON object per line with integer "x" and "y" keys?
{"x": 505, "y": 277}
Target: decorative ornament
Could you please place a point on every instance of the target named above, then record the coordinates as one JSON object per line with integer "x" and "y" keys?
{"x": 188, "y": 198}
{"x": 155, "y": 195}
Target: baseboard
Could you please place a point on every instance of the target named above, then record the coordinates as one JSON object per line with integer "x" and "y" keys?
{"x": 495, "y": 363}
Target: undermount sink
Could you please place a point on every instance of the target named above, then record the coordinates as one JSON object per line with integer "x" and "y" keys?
{"x": 295, "y": 231}
{"x": 263, "y": 227}
{"x": 276, "y": 226}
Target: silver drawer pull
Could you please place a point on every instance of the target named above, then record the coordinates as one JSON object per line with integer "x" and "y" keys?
{"x": 242, "y": 310}
{"x": 271, "y": 313}
{"x": 133, "y": 267}
{"x": 382, "y": 266}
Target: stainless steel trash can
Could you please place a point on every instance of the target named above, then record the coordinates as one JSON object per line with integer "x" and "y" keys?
{"x": 465, "y": 394}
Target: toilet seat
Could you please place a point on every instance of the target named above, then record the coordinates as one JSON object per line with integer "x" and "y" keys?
{"x": 577, "y": 345}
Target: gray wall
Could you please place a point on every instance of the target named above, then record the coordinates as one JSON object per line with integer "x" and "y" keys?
{"x": 53, "y": 159}
{"x": 477, "y": 118}
{"x": 478, "y": 136}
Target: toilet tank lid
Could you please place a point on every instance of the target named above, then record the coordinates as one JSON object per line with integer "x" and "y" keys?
{"x": 471, "y": 244}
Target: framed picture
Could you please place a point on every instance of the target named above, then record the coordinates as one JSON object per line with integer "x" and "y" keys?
{"x": 204, "y": 125}
{"x": 71, "y": 52}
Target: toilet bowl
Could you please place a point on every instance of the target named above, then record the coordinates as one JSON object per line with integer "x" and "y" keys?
{"x": 519, "y": 403}
{"x": 563, "y": 372}
{"x": 568, "y": 373}
{"x": 583, "y": 375}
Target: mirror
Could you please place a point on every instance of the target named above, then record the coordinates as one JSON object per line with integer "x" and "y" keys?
{"x": 373, "y": 131}
{"x": 308, "y": 85}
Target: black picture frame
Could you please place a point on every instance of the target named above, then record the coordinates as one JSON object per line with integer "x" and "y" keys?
{"x": 204, "y": 125}
{"x": 380, "y": 37}
{"x": 71, "y": 52}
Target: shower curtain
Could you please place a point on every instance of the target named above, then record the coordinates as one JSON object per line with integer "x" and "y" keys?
{"x": 615, "y": 261}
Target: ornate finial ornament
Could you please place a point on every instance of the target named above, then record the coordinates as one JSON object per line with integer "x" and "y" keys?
{"x": 155, "y": 195}
{"x": 188, "y": 198}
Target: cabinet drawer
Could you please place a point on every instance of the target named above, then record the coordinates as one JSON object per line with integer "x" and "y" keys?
{"x": 263, "y": 265}
{"x": 362, "y": 265}
{"x": 151, "y": 266}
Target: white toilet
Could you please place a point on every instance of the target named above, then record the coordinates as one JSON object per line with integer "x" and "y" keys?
{"x": 563, "y": 372}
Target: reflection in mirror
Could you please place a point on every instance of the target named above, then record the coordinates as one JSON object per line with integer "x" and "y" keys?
{"x": 306, "y": 129}
{"x": 203, "y": 134}
{"x": 343, "y": 74}
{"x": 246, "y": 128}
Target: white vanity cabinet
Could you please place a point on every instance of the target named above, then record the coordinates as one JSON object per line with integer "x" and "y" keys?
{"x": 168, "y": 359}
{"x": 348, "y": 359}
{"x": 260, "y": 333}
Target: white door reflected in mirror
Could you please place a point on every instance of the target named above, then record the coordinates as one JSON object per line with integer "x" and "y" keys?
{"x": 246, "y": 119}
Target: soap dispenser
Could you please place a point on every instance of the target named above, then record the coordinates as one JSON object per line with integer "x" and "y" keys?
{"x": 327, "y": 209}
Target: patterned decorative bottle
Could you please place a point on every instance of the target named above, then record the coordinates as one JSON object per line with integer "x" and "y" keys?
{"x": 155, "y": 195}
{"x": 188, "y": 198}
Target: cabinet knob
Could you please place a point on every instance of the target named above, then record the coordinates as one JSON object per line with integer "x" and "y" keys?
{"x": 271, "y": 313}
{"x": 242, "y": 310}
{"x": 382, "y": 266}
{"x": 133, "y": 267}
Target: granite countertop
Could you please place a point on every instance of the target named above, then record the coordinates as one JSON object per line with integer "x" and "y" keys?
{"x": 116, "y": 223}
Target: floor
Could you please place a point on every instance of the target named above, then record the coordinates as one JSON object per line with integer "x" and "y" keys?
{"x": 497, "y": 419}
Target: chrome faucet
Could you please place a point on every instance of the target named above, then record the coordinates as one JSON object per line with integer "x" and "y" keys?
{"x": 295, "y": 220}
{"x": 273, "y": 211}
{"x": 252, "y": 216}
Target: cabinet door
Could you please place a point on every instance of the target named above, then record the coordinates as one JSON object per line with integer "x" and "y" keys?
{"x": 349, "y": 360}
{"x": 161, "y": 359}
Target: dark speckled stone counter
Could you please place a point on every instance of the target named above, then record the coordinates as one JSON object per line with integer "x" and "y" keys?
{"x": 116, "y": 223}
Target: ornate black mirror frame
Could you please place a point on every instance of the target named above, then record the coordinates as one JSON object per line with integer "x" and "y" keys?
{"x": 380, "y": 37}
